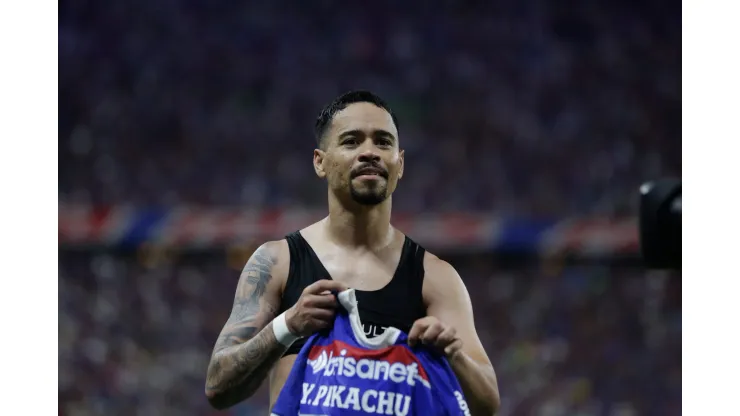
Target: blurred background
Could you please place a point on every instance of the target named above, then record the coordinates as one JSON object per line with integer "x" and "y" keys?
{"x": 185, "y": 141}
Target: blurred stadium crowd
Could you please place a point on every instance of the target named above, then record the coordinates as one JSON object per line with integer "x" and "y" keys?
{"x": 522, "y": 108}
{"x": 135, "y": 336}
{"x": 526, "y": 108}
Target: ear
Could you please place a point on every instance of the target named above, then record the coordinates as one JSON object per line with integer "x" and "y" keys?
{"x": 319, "y": 156}
{"x": 400, "y": 161}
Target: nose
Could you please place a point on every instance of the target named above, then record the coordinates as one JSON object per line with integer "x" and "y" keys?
{"x": 368, "y": 156}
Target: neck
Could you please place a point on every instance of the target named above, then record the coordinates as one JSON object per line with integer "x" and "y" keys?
{"x": 359, "y": 225}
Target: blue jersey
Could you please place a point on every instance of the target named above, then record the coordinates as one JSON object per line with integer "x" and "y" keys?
{"x": 343, "y": 372}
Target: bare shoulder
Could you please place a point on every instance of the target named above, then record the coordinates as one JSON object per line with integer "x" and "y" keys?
{"x": 441, "y": 280}
{"x": 276, "y": 256}
{"x": 267, "y": 268}
{"x": 277, "y": 249}
{"x": 437, "y": 267}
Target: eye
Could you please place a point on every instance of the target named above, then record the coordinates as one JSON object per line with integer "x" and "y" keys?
{"x": 384, "y": 142}
{"x": 350, "y": 141}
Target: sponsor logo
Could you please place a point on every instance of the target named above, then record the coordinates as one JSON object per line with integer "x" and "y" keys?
{"x": 395, "y": 363}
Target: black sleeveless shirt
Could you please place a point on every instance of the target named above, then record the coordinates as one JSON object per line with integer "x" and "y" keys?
{"x": 397, "y": 304}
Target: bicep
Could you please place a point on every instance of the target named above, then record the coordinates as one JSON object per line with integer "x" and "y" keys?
{"x": 448, "y": 300}
{"x": 257, "y": 297}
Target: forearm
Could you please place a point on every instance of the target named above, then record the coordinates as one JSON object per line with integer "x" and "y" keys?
{"x": 478, "y": 383}
{"x": 236, "y": 372}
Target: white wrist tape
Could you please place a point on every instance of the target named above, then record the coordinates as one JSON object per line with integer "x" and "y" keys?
{"x": 282, "y": 333}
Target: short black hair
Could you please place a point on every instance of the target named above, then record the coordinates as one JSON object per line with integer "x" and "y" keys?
{"x": 323, "y": 121}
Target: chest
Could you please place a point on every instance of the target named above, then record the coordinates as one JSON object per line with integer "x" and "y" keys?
{"x": 363, "y": 271}
{"x": 388, "y": 284}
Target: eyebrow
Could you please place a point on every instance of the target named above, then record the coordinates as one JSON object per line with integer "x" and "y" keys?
{"x": 375, "y": 133}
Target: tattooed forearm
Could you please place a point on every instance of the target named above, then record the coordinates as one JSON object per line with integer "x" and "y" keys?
{"x": 237, "y": 372}
{"x": 244, "y": 354}
{"x": 235, "y": 336}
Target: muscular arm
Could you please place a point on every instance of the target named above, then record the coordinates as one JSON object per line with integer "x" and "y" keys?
{"x": 246, "y": 349}
{"x": 448, "y": 300}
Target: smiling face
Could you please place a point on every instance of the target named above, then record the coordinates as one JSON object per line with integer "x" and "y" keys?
{"x": 360, "y": 157}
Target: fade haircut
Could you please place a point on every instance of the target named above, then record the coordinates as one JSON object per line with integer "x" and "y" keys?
{"x": 323, "y": 121}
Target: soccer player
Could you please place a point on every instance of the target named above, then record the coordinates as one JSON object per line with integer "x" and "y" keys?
{"x": 284, "y": 293}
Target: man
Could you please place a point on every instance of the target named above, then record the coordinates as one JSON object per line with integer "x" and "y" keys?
{"x": 284, "y": 293}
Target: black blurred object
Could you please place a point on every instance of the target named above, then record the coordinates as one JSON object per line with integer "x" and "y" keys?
{"x": 660, "y": 224}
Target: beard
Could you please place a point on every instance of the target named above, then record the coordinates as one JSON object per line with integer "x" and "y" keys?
{"x": 371, "y": 195}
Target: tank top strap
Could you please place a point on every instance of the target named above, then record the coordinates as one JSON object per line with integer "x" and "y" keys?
{"x": 304, "y": 269}
{"x": 406, "y": 284}
{"x": 400, "y": 302}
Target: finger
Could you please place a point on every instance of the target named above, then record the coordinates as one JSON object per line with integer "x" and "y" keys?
{"x": 321, "y": 314}
{"x": 447, "y": 337}
{"x": 320, "y": 301}
{"x": 325, "y": 285}
{"x": 453, "y": 348}
{"x": 432, "y": 333}
{"x": 417, "y": 329}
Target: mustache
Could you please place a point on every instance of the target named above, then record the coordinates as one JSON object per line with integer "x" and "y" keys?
{"x": 369, "y": 169}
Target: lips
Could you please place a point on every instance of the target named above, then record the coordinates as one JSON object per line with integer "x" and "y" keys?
{"x": 370, "y": 171}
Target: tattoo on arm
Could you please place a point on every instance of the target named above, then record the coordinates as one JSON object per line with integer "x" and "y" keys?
{"x": 243, "y": 354}
{"x": 245, "y": 367}
{"x": 246, "y": 315}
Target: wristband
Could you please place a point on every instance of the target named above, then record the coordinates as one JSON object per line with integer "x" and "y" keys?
{"x": 281, "y": 331}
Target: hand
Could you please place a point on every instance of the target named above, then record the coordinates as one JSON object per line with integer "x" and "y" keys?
{"x": 435, "y": 334}
{"x": 315, "y": 308}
